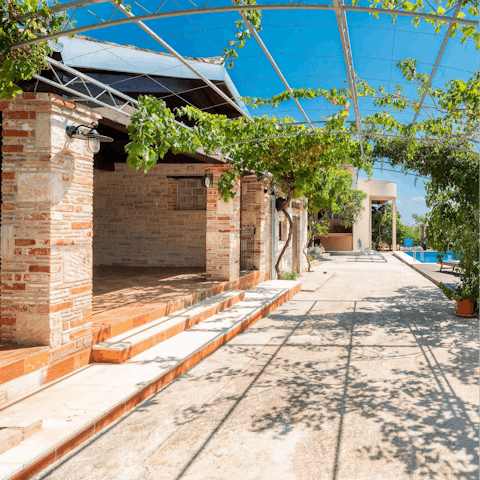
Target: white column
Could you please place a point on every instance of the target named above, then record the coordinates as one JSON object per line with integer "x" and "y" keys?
{"x": 368, "y": 243}
{"x": 394, "y": 225}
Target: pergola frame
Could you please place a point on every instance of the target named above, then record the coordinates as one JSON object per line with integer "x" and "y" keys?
{"x": 274, "y": 64}
{"x": 121, "y": 104}
{"x": 179, "y": 57}
{"x": 234, "y": 8}
{"x": 338, "y": 7}
{"x": 129, "y": 101}
{"x": 437, "y": 62}
{"x": 348, "y": 57}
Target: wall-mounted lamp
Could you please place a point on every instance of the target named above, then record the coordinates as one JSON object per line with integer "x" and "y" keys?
{"x": 90, "y": 134}
{"x": 207, "y": 180}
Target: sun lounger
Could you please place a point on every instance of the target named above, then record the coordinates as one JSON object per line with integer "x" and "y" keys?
{"x": 449, "y": 263}
{"x": 369, "y": 253}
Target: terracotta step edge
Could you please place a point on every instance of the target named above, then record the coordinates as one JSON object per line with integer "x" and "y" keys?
{"x": 122, "y": 407}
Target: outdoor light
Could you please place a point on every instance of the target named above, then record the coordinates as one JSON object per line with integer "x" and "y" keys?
{"x": 90, "y": 134}
{"x": 207, "y": 181}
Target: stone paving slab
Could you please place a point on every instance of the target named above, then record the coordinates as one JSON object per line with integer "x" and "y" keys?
{"x": 81, "y": 405}
{"x": 129, "y": 344}
{"x": 311, "y": 281}
{"x": 371, "y": 377}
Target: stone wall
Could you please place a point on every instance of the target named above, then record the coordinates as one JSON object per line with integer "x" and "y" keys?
{"x": 46, "y": 247}
{"x": 191, "y": 194}
{"x": 149, "y": 219}
{"x": 256, "y": 212}
{"x": 223, "y": 229}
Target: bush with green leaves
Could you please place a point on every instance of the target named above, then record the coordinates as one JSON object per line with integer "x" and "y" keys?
{"x": 19, "y": 22}
{"x": 292, "y": 275}
{"x": 277, "y": 148}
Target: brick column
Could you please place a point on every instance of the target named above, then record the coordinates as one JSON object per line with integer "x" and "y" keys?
{"x": 255, "y": 212}
{"x": 223, "y": 230}
{"x": 47, "y": 188}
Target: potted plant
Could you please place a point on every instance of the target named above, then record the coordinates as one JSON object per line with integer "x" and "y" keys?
{"x": 466, "y": 293}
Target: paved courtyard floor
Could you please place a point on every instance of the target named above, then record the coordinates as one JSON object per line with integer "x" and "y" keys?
{"x": 369, "y": 377}
{"x": 115, "y": 286}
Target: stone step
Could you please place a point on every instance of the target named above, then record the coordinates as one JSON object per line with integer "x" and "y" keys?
{"x": 114, "y": 321}
{"x": 79, "y": 406}
{"x": 22, "y": 370}
{"x": 129, "y": 344}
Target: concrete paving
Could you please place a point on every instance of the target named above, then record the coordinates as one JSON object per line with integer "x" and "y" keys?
{"x": 369, "y": 377}
{"x": 312, "y": 281}
{"x": 432, "y": 271}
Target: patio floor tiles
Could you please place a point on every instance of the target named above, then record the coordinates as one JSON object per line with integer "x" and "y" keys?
{"x": 115, "y": 287}
{"x": 18, "y": 360}
{"x": 128, "y": 297}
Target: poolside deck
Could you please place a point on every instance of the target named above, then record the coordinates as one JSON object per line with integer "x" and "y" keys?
{"x": 431, "y": 271}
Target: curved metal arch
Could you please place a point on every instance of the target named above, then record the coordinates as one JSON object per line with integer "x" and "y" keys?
{"x": 226, "y": 9}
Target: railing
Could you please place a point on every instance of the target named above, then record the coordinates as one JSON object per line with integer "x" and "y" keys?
{"x": 422, "y": 253}
{"x": 247, "y": 248}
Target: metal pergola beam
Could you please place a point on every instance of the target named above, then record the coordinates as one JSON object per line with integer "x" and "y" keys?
{"x": 179, "y": 57}
{"x": 85, "y": 79}
{"x": 274, "y": 64}
{"x": 233, "y": 8}
{"x": 76, "y": 73}
{"x": 132, "y": 101}
{"x": 348, "y": 57}
{"x": 437, "y": 62}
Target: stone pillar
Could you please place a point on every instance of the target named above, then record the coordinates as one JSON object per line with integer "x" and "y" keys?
{"x": 223, "y": 230}
{"x": 255, "y": 212}
{"x": 394, "y": 225}
{"x": 47, "y": 188}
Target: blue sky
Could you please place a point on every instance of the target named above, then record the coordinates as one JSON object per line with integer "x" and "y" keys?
{"x": 306, "y": 46}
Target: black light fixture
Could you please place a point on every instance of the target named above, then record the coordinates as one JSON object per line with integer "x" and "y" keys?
{"x": 90, "y": 134}
{"x": 207, "y": 180}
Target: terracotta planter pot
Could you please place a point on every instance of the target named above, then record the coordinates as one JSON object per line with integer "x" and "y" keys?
{"x": 465, "y": 307}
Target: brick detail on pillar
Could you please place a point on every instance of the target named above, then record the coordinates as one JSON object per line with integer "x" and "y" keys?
{"x": 47, "y": 189}
{"x": 256, "y": 212}
{"x": 223, "y": 230}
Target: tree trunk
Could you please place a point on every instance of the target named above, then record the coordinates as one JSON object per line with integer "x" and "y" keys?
{"x": 287, "y": 243}
{"x": 311, "y": 227}
{"x": 305, "y": 252}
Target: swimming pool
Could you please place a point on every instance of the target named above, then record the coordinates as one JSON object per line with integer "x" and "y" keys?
{"x": 429, "y": 257}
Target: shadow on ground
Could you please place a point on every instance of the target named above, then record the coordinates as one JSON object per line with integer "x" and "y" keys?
{"x": 385, "y": 381}
{"x": 398, "y": 364}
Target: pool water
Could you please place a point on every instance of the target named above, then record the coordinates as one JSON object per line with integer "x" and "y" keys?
{"x": 429, "y": 257}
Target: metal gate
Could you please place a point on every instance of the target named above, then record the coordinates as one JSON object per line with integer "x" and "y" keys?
{"x": 247, "y": 248}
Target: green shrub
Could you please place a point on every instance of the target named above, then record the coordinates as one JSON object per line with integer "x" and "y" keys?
{"x": 468, "y": 290}
{"x": 289, "y": 275}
